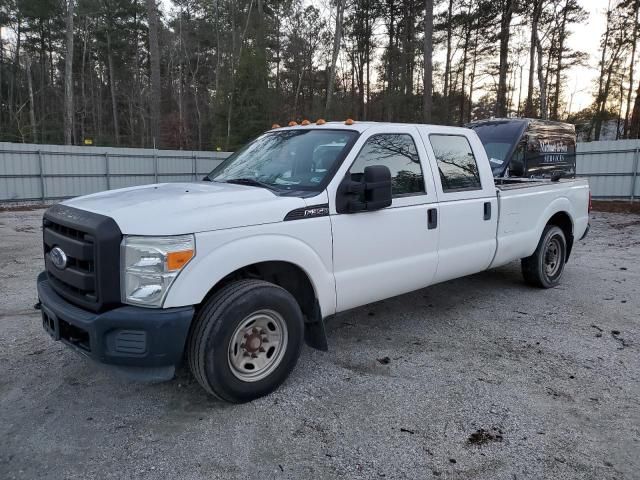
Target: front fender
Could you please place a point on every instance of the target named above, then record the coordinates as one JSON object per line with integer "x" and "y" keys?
{"x": 215, "y": 259}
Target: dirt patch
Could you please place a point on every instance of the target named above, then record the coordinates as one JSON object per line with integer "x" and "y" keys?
{"x": 617, "y": 206}
{"x": 8, "y": 207}
{"x": 482, "y": 436}
{"x": 623, "y": 225}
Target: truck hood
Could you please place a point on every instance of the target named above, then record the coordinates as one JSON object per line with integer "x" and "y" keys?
{"x": 179, "y": 208}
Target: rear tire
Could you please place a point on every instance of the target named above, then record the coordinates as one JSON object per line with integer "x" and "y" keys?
{"x": 545, "y": 267}
{"x": 245, "y": 340}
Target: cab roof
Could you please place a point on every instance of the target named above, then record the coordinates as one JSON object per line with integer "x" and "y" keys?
{"x": 360, "y": 127}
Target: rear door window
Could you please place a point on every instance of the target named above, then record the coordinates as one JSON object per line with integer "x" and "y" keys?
{"x": 456, "y": 163}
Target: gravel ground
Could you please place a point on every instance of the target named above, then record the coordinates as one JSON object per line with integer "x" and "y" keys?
{"x": 481, "y": 377}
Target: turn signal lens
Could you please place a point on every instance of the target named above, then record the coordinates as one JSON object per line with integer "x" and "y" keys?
{"x": 292, "y": 123}
{"x": 177, "y": 260}
{"x": 320, "y": 121}
{"x": 349, "y": 121}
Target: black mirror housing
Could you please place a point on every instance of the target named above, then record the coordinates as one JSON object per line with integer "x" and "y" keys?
{"x": 373, "y": 192}
{"x": 377, "y": 192}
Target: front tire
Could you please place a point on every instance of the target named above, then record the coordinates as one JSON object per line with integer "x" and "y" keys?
{"x": 545, "y": 267}
{"x": 245, "y": 340}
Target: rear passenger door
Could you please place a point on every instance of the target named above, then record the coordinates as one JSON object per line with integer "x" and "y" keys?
{"x": 467, "y": 203}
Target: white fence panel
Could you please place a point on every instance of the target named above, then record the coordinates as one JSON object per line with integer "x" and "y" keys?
{"x": 30, "y": 172}
{"x": 611, "y": 167}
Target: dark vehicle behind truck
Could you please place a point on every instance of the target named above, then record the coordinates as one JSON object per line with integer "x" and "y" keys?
{"x": 528, "y": 148}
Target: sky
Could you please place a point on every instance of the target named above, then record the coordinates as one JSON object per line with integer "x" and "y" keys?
{"x": 586, "y": 38}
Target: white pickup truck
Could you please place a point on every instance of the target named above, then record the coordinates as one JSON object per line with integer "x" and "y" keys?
{"x": 235, "y": 272}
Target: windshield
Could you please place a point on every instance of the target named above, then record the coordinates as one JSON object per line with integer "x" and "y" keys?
{"x": 288, "y": 160}
{"x": 498, "y": 140}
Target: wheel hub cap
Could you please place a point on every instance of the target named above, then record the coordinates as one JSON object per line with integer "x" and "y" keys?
{"x": 553, "y": 257}
{"x": 258, "y": 345}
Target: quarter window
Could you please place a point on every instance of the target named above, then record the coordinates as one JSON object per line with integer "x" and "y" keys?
{"x": 456, "y": 163}
{"x": 397, "y": 152}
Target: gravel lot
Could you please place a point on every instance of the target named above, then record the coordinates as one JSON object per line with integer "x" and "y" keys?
{"x": 481, "y": 377}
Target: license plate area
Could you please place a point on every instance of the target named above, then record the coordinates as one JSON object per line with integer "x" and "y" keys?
{"x": 50, "y": 323}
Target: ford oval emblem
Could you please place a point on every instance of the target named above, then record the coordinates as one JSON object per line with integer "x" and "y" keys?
{"x": 58, "y": 258}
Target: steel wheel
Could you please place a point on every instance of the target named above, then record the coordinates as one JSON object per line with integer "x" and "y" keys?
{"x": 553, "y": 257}
{"x": 258, "y": 345}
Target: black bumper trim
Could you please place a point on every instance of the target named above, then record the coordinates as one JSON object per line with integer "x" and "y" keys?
{"x": 164, "y": 331}
{"x": 586, "y": 232}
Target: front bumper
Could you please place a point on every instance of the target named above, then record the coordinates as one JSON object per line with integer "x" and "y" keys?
{"x": 134, "y": 338}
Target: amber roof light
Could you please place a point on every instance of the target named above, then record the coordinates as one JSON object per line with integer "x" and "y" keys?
{"x": 275, "y": 125}
{"x": 320, "y": 121}
{"x": 349, "y": 121}
{"x": 305, "y": 122}
{"x": 292, "y": 123}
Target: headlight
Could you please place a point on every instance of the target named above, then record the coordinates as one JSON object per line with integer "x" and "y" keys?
{"x": 150, "y": 265}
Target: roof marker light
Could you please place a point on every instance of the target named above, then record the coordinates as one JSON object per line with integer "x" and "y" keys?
{"x": 305, "y": 122}
{"x": 320, "y": 121}
{"x": 275, "y": 125}
{"x": 292, "y": 123}
{"x": 349, "y": 121}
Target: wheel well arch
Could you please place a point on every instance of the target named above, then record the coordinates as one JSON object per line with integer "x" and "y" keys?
{"x": 284, "y": 274}
{"x": 563, "y": 220}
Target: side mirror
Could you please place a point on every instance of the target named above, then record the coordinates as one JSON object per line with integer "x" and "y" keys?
{"x": 372, "y": 192}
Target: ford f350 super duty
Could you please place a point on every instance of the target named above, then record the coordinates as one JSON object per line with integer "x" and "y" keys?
{"x": 235, "y": 272}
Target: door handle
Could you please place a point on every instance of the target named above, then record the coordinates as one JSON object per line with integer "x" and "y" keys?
{"x": 487, "y": 210}
{"x": 432, "y": 218}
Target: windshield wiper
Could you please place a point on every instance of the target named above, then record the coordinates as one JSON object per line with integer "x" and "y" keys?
{"x": 250, "y": 182}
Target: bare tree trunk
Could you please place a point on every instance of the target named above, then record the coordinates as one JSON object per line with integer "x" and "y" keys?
{"x": 235, "y": 65}
{"x": 555, "y": 115}
{"x": 634, "y": 127}
{"x": 68, "y": 77}
{"x": 542, "y": 82}
{"x": 83, "y": 117}
{"x": 595, "y": 121}
{"x": 537, "y": 7}
{"x": 472, "y": 77}
{"x": 15, "y": 69}
{"x": 1, "y": 78}
{"x": 447, "y": 65}
{"x": 154, "y": 51}
{"x": 465, "y": 59}
{"x": 632, "y": 61}
{"x": 505, "y": 25}
{"x": 297, "y": 95}
{"x": 32, "y": 108}
{"x": 427, "y": 97}
{"x": 337, "y": 37}
{"x": 112, "y": 84}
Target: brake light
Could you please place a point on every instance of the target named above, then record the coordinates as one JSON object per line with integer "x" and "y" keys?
{"x": 590, "y": 203}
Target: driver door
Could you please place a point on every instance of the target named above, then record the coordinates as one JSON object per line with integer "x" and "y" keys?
{"x": 383, "y": 253}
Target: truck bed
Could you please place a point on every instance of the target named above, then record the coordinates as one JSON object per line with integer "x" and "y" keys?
{"x": 526, "y": 205}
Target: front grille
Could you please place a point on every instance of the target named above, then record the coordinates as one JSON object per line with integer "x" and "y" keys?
{"x": 78, "y": 278}
{"x": 91, "y": 243}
